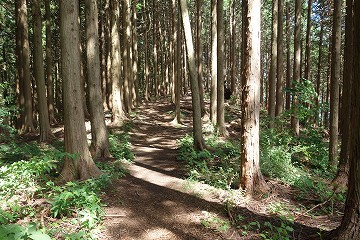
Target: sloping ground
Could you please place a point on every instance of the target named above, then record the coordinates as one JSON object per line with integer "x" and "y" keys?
{"x": 155, "y": 202}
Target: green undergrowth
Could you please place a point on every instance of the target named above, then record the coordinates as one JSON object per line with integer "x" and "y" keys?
{"x": 219, "y": 168}
{"x": 34, "y": 206}
{"x": 298, "y": 161}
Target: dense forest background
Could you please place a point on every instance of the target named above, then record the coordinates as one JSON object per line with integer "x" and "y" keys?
{"x": 277, "y": 77}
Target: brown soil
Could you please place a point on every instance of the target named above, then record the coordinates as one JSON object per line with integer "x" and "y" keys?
{"x": 154, "y": 201}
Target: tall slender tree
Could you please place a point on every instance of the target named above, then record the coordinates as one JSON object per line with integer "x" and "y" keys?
{"x": 297, "y": 63}
{"x": 27, "y": 121}
{"x": 80, "y": 165}
{"x": 349, "y": 228}
{"x": 220, "y": 120}
{"x": 99, "y": 140}
{"x": 118, "y": 114}
{"x": 197, "y": 125}
{"x": 45, "y": 131}
{"x": 251, "y": 177}
{"x": 213, "y": 93}
{"x": 274, "y": 59}
{"x": 335, "y": 83}
{"x": 280, "y": 61}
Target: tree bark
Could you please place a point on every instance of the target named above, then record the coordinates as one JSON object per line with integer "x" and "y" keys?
{"x": 118, "y": 114}
{"x": 197, "y": 124}
{"x": 349, "y": 228}
{"x": 288, "y": 58}
{"x": 27, "y": 124}
{"x": 343, "y": 167}
{"x": 80, "y": 165}
{"x": 273, "y": 65}
{"x": 251, "y": 177}
{"x": 280, "y": 61}
{"x": 297, "y": 63}
{"x": 213, "y": 96}
{"x": 99, "y": 135}
{"x": 45, "y": 131}
{"x": 308, "y": 42}
{"x": 335, "y": 83}
{"x": 221, "y": 129}
{"x": 199, "y": 55}
{"x": 49, "y": 63}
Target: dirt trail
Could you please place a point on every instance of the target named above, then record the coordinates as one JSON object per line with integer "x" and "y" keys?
{"x": 154, "y": 201}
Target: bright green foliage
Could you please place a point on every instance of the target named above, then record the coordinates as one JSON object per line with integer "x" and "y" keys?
{"x": 18, "y": 232}
{"x": 220, "y": 169}
{"x": 120, "y": 147}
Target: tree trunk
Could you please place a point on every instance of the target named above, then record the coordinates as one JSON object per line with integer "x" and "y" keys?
{"x": 273, "y": 65}
{"x": 197, "y": 125}
{"x": 349, "y": 228}
{"x": 27, "y": 124}
{"x": 80, "y": 165}
{"x": 335, "y": 83}
{"x": 99, "y": 135}
{"x": 220, "y": 69}
{"x": 232, "y": 48}
{"x": 45, "y": 131}
{"x": 251, "y": 177}
{"x": 280, "y": 62}
{"x": 126, "y": 56}
{"x": 199, "y": 54}
{"x": 308, "y": 42}
{"x": 118, "y": 114}
{"x": 136, "y": 85}
{"x": 297, "y": 63}
{"x": 288, "y": 60}
{"x": 213, "y": 96}
{"x": 49, "y": 63}
{"x": 319, "y": 68}
{"x": 343, "y": 167}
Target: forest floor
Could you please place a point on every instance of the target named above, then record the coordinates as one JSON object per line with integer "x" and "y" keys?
{"x": 155, "y": 201}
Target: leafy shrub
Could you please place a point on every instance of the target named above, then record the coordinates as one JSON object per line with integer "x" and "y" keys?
{"x": 220, "y": 169}
{"x": 18, "y": 232}
{"x": 120, "y": 147}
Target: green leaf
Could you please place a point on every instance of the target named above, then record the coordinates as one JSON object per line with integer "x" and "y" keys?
{"x": 39, "y": 236}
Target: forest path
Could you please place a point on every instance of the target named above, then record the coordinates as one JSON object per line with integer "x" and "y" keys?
{"x": 154, "y": 201}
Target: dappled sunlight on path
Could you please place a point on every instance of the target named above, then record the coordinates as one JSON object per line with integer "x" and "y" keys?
{"x": 154, "y": 201}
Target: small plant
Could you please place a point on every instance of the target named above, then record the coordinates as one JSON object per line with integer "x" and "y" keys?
{"x": 120, "y": 147}
{"x": 214, "y": 222}
{"x": 220, "y": 169}
{"x": 15, "y": 231}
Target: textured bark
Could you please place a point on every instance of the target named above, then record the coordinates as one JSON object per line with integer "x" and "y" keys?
{"x": 308, "y": 42}
{"x": 232, "y": 48}
{"x": 319, "y": 67}
{"x": 49, "y": 64}
{"x": 80, "y": 165}
{"x": 297, "y": 63}
{"x": 343, "y": 167}
{"x": 221, "y": 129}
{"x": 273, "y": 65}
{"x": 118, "y": 114}
{"x": 177, "y": 61}
{"x": 197, "y": 125}
{"x": 126, "y": 56}
{"x": 99, "y": 135}
{"x": 335, "y": 83}
{"x": 45, "y": 131}
{"x": 251, "y": 177}
{"x": 199, "y": 54}
{"x": 349, "y": 228}
{"x": 288, "y": 61}
{"x": 280, "y": 61}
{"x": 27, "y": 124}
{"x": 134, "y": 34}
{"x": 213, "y": 96}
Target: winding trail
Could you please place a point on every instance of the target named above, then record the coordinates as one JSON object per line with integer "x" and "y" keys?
{"x": 154, "y": 201}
